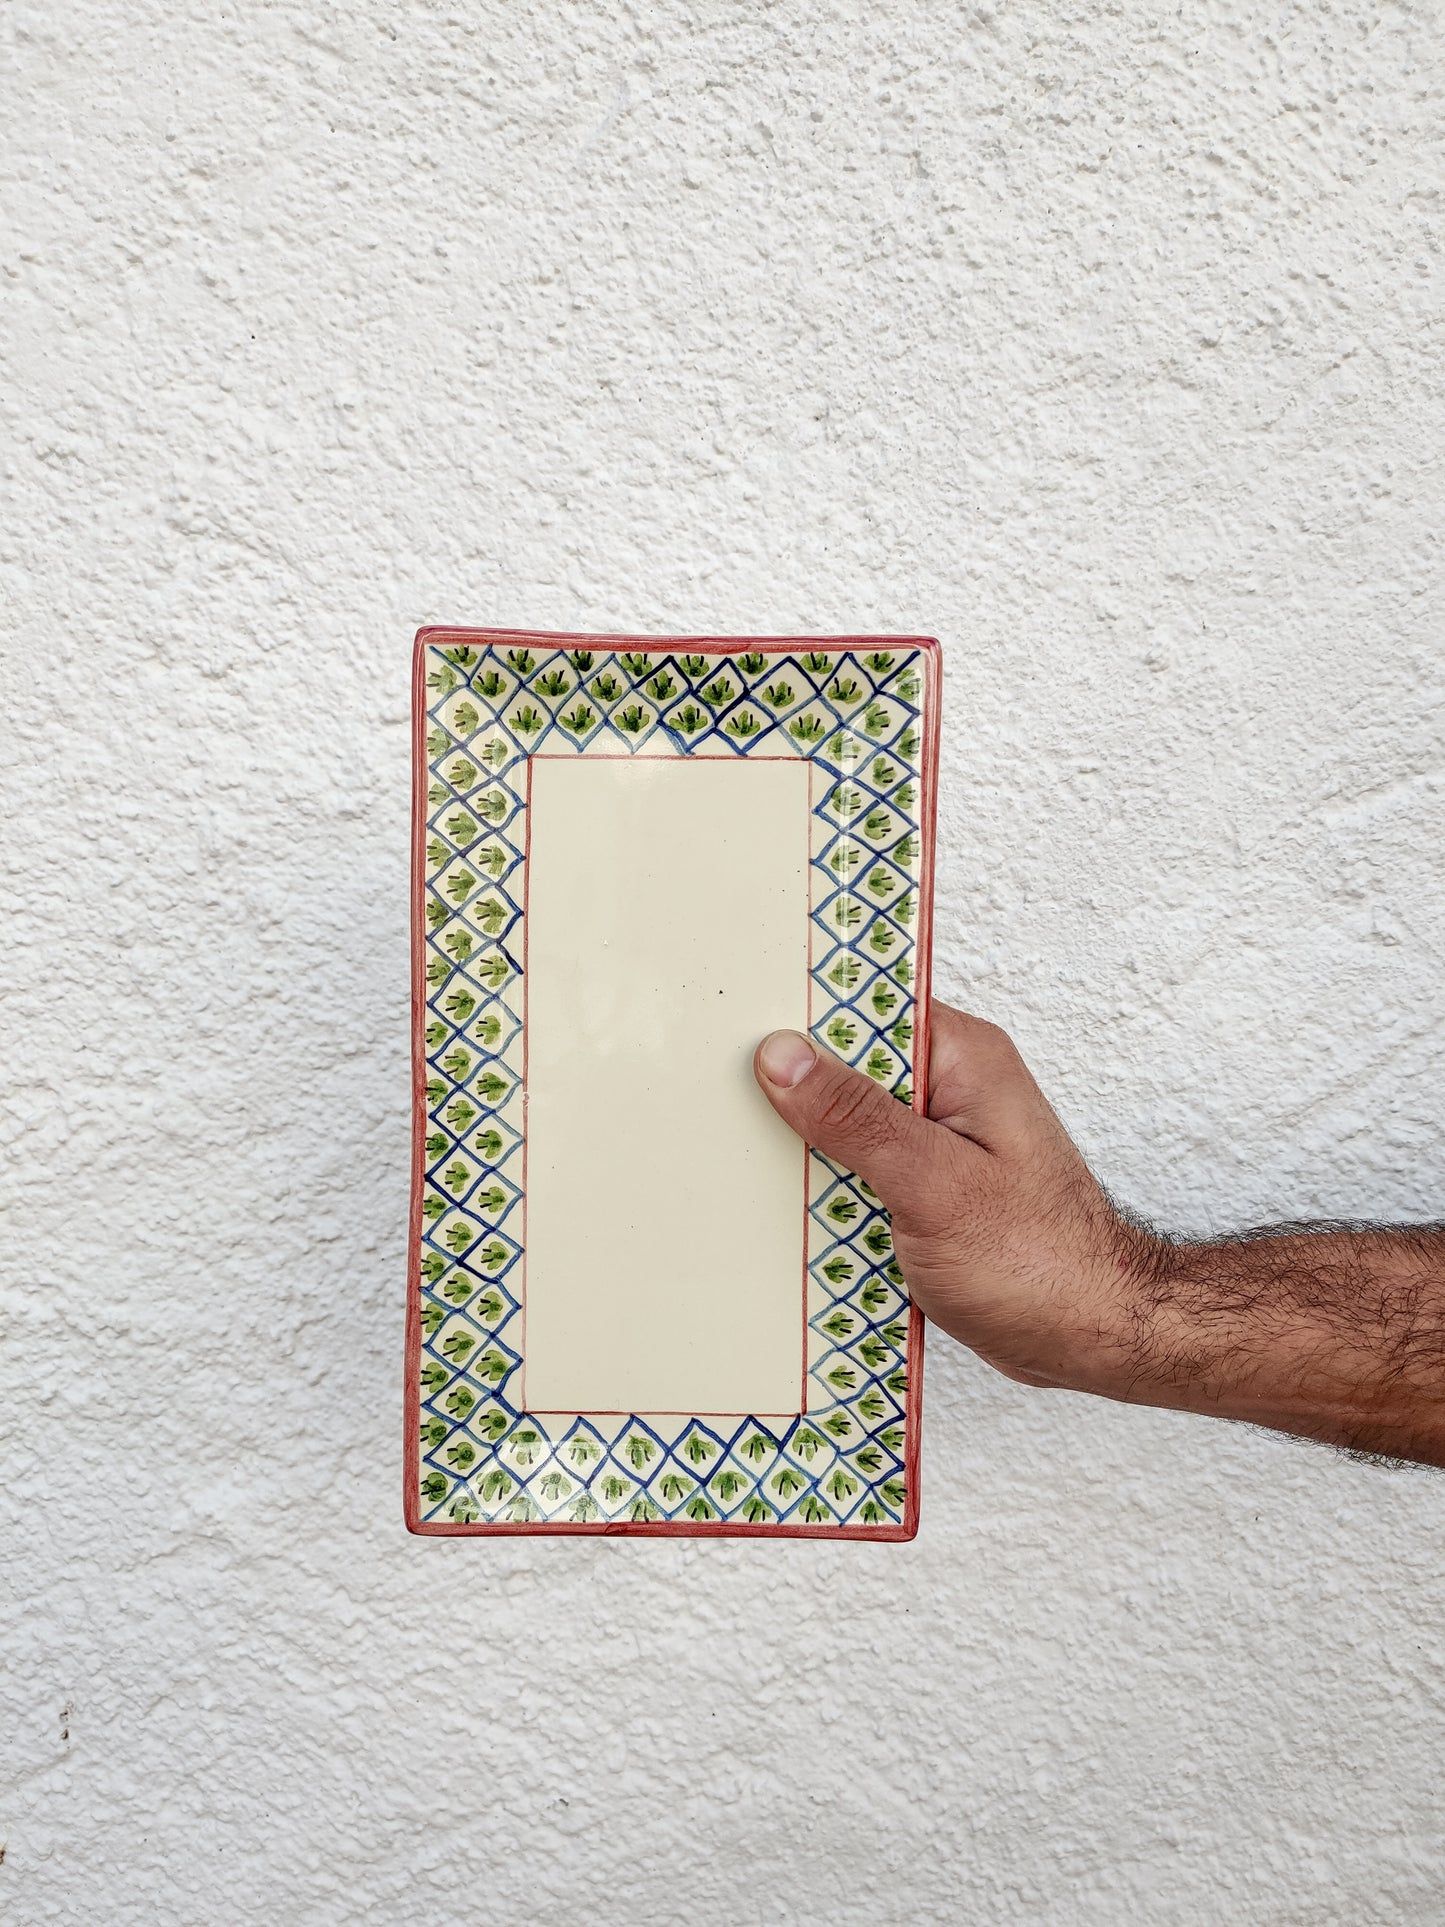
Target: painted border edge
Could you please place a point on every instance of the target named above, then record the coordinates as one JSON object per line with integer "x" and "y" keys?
{"x": 907, "y": 1529}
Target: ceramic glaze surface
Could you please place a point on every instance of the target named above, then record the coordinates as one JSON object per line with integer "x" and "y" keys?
{"x": 666, "y": 931}
{"x": 718, "y": 1314}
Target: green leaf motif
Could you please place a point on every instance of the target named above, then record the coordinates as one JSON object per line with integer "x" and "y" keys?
{"x": 493, "y": 685}
{"x": 817, "y": 665}
{"x": 699, "y": 1508}
{"x": 436, "y": 1143}
{"x": 673, "y": 1486}
{"x": 643, "y": 1510}
{"x": 581, "y": 660}
{"x": 752, "y": 664}
{"x": 785, "y": 1482}
{"x": 463, "y": 1455}
{"x": 808, "y": 1443}
{"x": 839, "y": 1424}
{"x": 880, "y": 1065}
{"x": 837, "y": 1271}
{"x": 580, "y": 721}
{"x": 813, "y": 1510}
{"x": 492, "y": 1367}
{"x": 460, "y": 828}
{"x": 633, "y": 719}
{"x": 878, "y": 1239}
{"x": 443, "y": 680}
{"x": 690, "y": 719}
{"x": 807, "y": 728}
{"x": 492, "y": 1256}
{"x": 458, "y": 1237}
{"x": 459, "y": 943}
{"x": 756, "y": 1511}
{"x": 757, "y": 1446}
{"x": 528, "y": 720}
{"x": 613, "y": 1487}
{"x": 497, "y": 1484}
{"x": 743, "y": 725}
{"x": 431, "y": 1318}
{"x": 842, "y": 1034}
{"x": 582, "y": 1450}
{"x": 457, "y": 1346}
{"x": 459, "y": 1401}
{"x": 606, "y": 689}
{"x": 693, "y": 665}
{"x": 583, "y": 1509}
{"x": 883, "y": 999}
{"x": 727, "y": 1486}
{"x": 869, "y": 1461}
{"x": 553, "y": 684}
{"x": 433, "y": 1487}
{"x": 779, "y": 696}
{"x": 555, "y": 1485}
{"x": 841, "y": 1325}
{"x": 522, "y": 660}
{"x": 637, "y": 666}
{"x": 845, "y": 973}
{"x": 718, "y": 692}
{"x": 661, "y": 687}
{"x": 463, "y": 774}
{"x": 699, "y": 1449}
{"x": 525, "y": 1444}
{"x": 639, "y": 1450}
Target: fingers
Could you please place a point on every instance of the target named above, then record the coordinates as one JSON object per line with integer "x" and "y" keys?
{"x": 849, "y": 1118}
{"x": 978, "y": 1085}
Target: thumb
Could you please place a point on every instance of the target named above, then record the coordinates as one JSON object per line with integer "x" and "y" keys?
{"x": 848, "y": 1117}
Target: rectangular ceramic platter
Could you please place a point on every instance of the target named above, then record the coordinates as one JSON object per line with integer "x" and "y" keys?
{"x": 638, "y": 1304}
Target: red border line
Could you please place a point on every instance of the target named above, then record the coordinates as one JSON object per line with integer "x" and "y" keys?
{"x": 434, "y": 634}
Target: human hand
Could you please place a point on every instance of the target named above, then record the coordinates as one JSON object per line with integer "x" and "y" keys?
{"x": 1333, "y": 1331}
{"x": 1003, "y": 1236}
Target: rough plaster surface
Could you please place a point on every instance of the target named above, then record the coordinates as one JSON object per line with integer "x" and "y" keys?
{"x": 1101, "y": 341}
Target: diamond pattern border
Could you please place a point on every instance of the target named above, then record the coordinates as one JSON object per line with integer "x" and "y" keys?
{"x": 858, "y": 711}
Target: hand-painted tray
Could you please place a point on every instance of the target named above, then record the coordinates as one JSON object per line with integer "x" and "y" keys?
{"x": 636, "y": 1302}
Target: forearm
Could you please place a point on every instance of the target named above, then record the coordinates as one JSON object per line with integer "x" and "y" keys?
{"x": 1335, "y": 1333}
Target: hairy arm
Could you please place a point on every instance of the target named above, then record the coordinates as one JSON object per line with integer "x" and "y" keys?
{"x": 1335, "y": 1332}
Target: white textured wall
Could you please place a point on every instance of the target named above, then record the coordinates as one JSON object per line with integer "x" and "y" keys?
{"x": 1102, "y": 342}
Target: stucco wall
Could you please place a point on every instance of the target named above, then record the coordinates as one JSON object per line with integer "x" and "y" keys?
{"x": 1102, "y": 342}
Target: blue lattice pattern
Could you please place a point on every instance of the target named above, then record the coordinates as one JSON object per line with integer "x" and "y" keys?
{"x": 857, "y": 717}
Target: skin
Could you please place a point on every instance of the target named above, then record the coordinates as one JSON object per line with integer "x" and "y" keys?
{"x": 1007, "y": 1242}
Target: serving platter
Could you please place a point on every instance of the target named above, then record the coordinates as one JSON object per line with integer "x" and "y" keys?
{"x": 636, "y": 1302}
